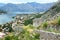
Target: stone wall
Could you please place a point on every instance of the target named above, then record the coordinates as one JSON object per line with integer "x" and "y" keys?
{"x": 44, "y": 35}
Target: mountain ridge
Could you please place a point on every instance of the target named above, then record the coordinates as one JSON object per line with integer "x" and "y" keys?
{"x": 26, "y": 7}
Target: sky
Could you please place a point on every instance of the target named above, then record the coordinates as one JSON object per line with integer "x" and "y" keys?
{"x": 25, "y": 1}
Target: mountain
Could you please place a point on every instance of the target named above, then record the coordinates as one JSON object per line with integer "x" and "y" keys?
{"x": 2, "y": 4}
{"x": 41, "y": 7}
{"x": 10, "y": 7}
{"x": 27, "y": 7}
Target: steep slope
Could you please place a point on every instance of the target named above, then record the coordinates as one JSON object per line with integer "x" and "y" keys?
{"x": 51, "y": 14}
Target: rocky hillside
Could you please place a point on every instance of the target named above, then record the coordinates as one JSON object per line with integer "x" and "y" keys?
{"x": 51, "y": 14}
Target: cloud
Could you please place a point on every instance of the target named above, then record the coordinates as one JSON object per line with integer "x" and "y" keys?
{"x": 46, "y": 1}
{"x": 24, "y": 1}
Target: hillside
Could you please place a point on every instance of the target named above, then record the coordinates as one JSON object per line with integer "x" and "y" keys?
{"x": 27, "y": 7}
{"x": 52, "y": 13}
{"x": 48, "y": 25}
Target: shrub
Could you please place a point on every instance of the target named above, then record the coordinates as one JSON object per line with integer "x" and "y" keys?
{"x": 58, "y": 21}
{"x": 9, "y": 37}
{"x": 53, "y": 22}
{"x": 58, "y": 9}
{"x": 45, "y": 24}
{"x": 38, "y": 15}
{"x": 28, "y": 33}
{"x": 29, "y": 21}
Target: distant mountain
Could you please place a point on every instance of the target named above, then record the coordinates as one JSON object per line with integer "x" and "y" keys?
{"x": 2, "y": 4}
{"x": 41, "y": 7}
{"x": 10, "y": 7}
{"x": 26, "y": 7}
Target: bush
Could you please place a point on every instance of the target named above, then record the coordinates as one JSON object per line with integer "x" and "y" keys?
{"x": 28, "y": 33}
{"x": 58, "y": 21}
{"x": 38, "y": 15}
{"x": 53, "y": 22}
{"x": 29, "y": 21}
{"x": 11, "y": 37}
{"x": 45, "y": 24}
{"x": 58, "y": 9}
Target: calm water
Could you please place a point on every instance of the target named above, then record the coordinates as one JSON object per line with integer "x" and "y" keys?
{"x": 4, "y": 18}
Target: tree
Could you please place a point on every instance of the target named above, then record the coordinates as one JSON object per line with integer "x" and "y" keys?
{"x": 29, "y": 21}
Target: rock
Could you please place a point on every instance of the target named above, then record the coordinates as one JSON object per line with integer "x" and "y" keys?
{"x": 44, "y": 35}
{"x": 2, "y": 35}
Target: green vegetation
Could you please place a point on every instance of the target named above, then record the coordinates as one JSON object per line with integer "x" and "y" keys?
{"x": 58, "y": 9}
{"x": 8, "y": 37}
{"x": 27, "y": 33}
{"x": 38, "y": 15}
{"x": 51, "y": 26}
{"x": 58, "y": 21}
{"x": 45, "y": 24}
{"x": 28, "y": 21}
{"x": 8, "y": 26}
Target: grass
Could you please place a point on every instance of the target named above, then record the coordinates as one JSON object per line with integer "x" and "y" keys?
{"x": 27, "y": 33}
{"x": 58, "y": 21}
{"x": 46, "y": 25}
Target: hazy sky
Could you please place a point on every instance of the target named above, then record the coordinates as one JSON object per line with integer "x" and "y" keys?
{"x": 24, "y": 1}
